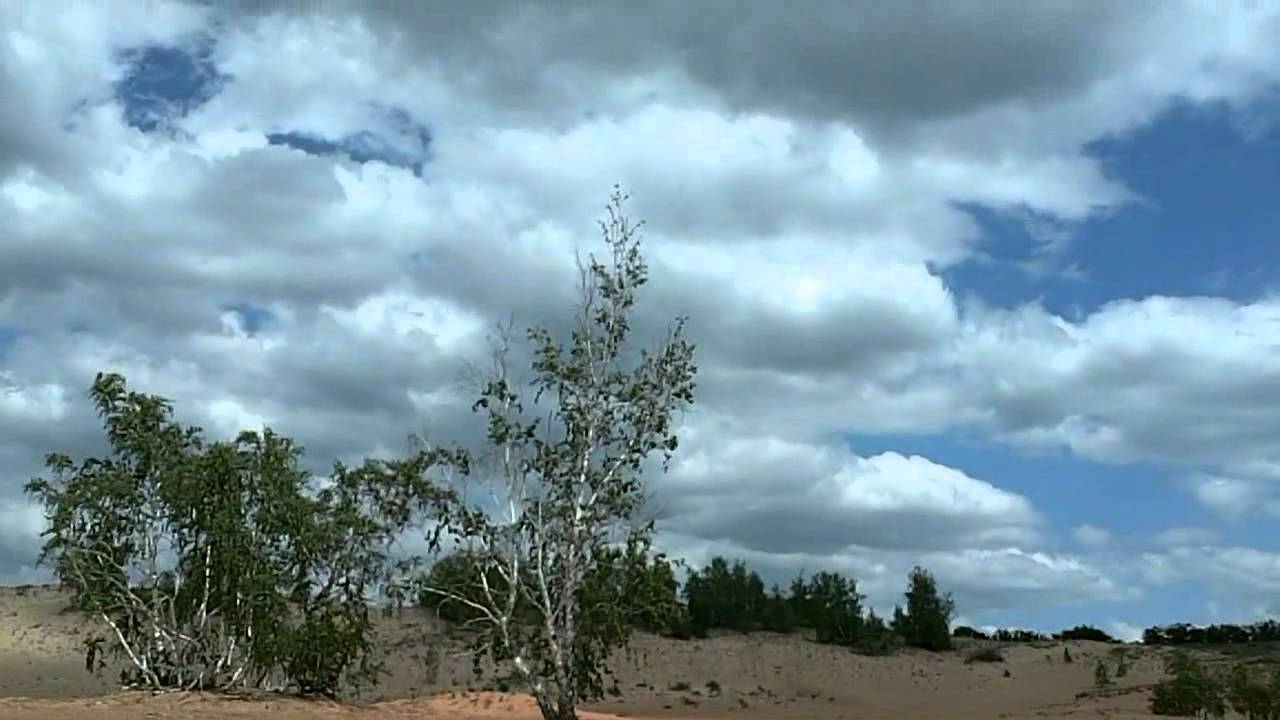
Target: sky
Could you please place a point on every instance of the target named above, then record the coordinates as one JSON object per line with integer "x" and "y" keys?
{"x": 988, "y": 287}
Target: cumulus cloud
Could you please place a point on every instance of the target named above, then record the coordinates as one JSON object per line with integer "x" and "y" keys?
{"x": 773, "y": 495}
{"x": 313, "y": 223}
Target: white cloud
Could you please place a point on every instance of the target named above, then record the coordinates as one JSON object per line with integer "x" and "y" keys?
{"x": 1091, "y": 536}
{"x": 802, "y": 215}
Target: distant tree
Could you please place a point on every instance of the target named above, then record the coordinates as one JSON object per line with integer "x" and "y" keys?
{"x": 964, "y": 631}
{"x": 779, "y": 615}
{"x": 875, "y": 637}
{"x": 929, "y": 613}
{"x": 898, "y": 624}
{"x": 725, "y": 596}
{"x": 836, "y": 608}
{"x": 1085, "y": 632}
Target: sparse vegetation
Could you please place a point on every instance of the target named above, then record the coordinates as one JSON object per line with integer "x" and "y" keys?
{"x": 1084, "y": 632}
{"x": 1190, "y": 691}
{"x": 1101, "y": 677}
{"x": 985, "y": 655}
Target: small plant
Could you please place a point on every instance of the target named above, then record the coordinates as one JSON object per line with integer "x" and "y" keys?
{"x": 1066, "y": 655}
{"x": 984, "y": 655}
{"x": 1122, "y": 666}
{"x": 1007, "y": 673}
{"x": 679, "y": 686}
{"x": 1101, "y": 677}
{"x": 713, "y": 687}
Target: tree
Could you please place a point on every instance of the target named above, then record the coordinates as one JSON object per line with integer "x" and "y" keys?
{"x": 928, "y": 617}
{"x": 836, "y": 609}
{"x": 725, "y": 596}
{"x": 566, "y": 492}
{"x": 213, "y": 565}
{"x": 1084, "y": 632}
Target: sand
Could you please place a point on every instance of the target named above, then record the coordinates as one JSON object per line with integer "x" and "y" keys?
{"x": 42, "y": 676}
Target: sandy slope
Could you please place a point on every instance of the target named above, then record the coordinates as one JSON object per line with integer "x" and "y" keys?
{"x": 761, "y": 676}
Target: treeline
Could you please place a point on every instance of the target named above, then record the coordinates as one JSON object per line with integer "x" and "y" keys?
{"x": 1079, "y": 632}
{"x": 1186, "y": 634}
{"x": 729, "y": 597}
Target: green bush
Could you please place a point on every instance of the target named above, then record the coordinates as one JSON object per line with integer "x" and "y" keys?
{"x": 1190, "y": 691}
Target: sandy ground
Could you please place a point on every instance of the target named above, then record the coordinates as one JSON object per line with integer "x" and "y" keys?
{"x": 42, "y": 676}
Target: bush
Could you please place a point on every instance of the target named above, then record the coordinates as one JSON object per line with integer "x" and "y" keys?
{"x": 1253, "y": 699}
{"x": 216, "y": 565}
{"x": 964, "y": 631}
{"x": 1101, "y": 677}
{"x": 875, "y": 637}
{"x": 1084, "y": 632}
{"x": 985, "y": 655}
{"x": 1191, "y": 691}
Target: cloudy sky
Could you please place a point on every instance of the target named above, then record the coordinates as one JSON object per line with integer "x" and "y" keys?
{"x": 989, "y": 291}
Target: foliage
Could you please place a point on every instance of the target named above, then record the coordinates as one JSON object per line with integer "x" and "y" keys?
{"x": 965, "y": 631}
{"x": 1066, "y": 655}
{"x": 1251, "y": 698}
{"x": 1020, "y": 636}
{"x": 1190, "y": 691}
{"x": 568, "y": 490}
{"x": 875, "y": 637}
{"x": 214, "y": 565}
{"x": 832, "y": 606}
{"x": 1084, "y": 632}
{"x": 927, "y": 621}
{"x": 725, "y": 596}
{"x": 1185, "y": 634}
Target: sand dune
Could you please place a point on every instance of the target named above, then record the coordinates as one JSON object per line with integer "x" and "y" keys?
{"x": 42, "y": 676}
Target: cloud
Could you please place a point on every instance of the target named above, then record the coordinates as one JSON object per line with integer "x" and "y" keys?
{"x": 1091, "y": 536}
{"x": 1184, "y": 536}
{"x": 780, "y": 496}
{"x": 319, "y": 241}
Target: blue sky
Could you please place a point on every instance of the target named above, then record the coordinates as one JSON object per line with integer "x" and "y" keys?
{"x": 1016, "y": 322}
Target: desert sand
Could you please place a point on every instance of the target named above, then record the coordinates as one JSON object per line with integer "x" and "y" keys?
{"x": 42, "y": 676}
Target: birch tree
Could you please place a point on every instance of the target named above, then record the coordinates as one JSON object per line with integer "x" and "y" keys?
{"x": 560, "y": 558}
{"x": 218, "y": 565}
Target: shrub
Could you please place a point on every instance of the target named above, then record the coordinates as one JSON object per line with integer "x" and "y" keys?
{"x": 964, "y": 631}
{"x": 1066, "y": 655}
{"x": 1101, "y": 677}
{"x": 216, "y": 565}
{"x": 1191, "y": 691}
{"x": 1253, "y": 699}
{"x": 1084, "y": 632}
{"x": 985, "y": 655}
